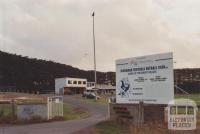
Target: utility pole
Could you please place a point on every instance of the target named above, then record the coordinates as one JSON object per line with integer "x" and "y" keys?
{"x": 95, "y": 73}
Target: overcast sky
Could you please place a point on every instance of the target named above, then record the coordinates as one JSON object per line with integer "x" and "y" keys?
{"x": 61, "y": 30}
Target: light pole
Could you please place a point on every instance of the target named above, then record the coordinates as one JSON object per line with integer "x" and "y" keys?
{"x": 95, "y": 73}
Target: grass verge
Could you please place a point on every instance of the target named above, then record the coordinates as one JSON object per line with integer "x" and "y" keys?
{"x": 110, "y": 127}
{"x": 195, "y": 97}
{"x": 5, "y": 110}
{"x": 103, "y": 100}
{"x": 71, "y": 113}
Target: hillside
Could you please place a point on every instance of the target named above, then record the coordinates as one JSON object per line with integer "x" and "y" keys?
{"x": 31, "y": 74}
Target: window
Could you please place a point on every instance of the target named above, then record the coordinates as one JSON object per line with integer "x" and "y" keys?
{"x": 173, "y": 110}
{"x": 75, "y": 82}
{"x": 69, "y": 82}
{"x": 190, "y": 110}
{"x": 79, "y": 82}
{"x": 181, "y": 110}
{"x": 84, "y": 82}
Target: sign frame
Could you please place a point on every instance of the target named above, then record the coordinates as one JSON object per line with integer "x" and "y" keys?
{"x": 147, "y": 78}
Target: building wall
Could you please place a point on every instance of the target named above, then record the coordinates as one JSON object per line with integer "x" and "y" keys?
{"x": 63, "y": 83}
{"x": 60, "y": 83}
{"x": 77, "y": 84}
{"x": 27, "y": 112}
{"x": 90, "y": 85}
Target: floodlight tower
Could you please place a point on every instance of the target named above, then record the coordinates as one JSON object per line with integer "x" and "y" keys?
{"x": 95, "y": 73}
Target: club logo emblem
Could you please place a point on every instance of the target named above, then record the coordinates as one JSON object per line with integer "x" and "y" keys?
{"x": 123, "y": 87}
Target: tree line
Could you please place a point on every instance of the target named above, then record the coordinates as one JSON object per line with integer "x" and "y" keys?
{"x": 30, "y": 74}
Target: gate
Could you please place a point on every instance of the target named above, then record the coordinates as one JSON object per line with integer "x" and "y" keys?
{"x": 54, "y": 107}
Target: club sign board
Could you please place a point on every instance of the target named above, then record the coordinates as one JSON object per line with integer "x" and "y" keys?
{"x": 147, "y": 78}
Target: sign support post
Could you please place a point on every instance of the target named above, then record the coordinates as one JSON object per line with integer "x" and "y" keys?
{"x": 140, "y": 113}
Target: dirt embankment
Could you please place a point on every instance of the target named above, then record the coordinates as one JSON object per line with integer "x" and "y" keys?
{"x": 20, "y": 97}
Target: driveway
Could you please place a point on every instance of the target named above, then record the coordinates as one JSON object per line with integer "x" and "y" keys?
{"x": 98, "y": 113}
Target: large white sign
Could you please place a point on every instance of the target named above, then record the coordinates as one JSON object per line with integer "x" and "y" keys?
{"x": 147, "y": 78}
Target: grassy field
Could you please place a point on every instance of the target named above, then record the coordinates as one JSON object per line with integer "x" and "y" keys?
{"x": 5, "y": 110}
{"x": 100, "y": 101}
{"x": 195, "y": 97}
{"x": 110, "y": 127}
{"x": 107, "y": 127}
{"x": 71, "y": 113}
{"x": 103, "y": 100}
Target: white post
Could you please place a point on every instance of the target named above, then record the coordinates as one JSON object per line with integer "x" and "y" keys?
{"x": 48, "y": 108}
{"x": 141, "y": 113}
{"x": 109, "y": 108}
{"x": 62, "y": 106}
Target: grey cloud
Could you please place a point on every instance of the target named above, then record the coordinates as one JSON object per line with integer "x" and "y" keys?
{"x": 61, "y": 30}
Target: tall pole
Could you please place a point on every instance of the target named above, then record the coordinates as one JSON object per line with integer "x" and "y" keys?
{"x": 95, "y": 73}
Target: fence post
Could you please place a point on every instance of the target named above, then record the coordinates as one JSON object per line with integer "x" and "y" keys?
{"x": 109, "y": 102}
{"x": 13, "y": 108}
{"x": 141, "y": 113}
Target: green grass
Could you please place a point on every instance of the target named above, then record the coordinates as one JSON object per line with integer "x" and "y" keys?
{"x": 5, "y": 110}
{"x": 103, "y": 100}
{"x": 100, "y": 101}
{"x": 198, "y": 118}
{"x": 195, "y": 97}
{"x": 31, "y": 101}
{"x": 108, "y": 127}
{"x": 71, "y": 113}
